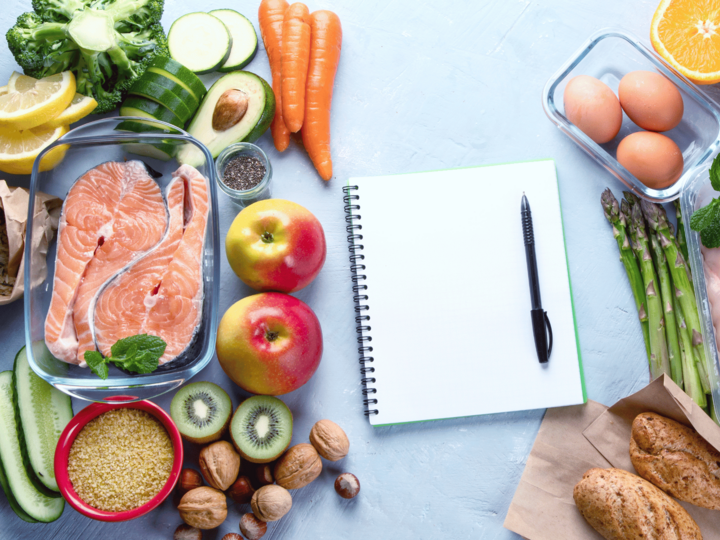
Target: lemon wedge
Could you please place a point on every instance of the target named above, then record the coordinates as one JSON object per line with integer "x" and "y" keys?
{"x": 35, "y": 102}
{"x": 3, "y": 90}
{"x": 18, "y": 149}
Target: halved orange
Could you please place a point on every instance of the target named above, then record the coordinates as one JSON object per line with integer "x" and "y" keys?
{"x": 686, "y": 33}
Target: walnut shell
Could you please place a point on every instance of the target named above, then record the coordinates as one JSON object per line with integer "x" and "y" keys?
{"x": 270, "y": 503}
{"x": 203, "y": 508}
{"x": 220, "y": 464}
{"x": 329, "y": 440}
{"x": 297, "y": 467}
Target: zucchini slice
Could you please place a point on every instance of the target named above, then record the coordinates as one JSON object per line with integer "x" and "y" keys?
{"x": 176, "y": 72}
{"x": 44, "y": 413}
{"x": 13, "y": 455}
{"x": 6, "y": 486}
{"x": 138, "y": 106}
{"x": 200, "y": 42}
{"x": 163, "y": 96}
{"x": 244, "y": 39}
{"x": 188, "y": 98}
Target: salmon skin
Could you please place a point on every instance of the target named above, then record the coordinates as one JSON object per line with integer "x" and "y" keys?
{"x": 128, "y": 262}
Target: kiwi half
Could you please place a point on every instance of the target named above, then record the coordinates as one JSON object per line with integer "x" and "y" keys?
{"x": 261, "y": 428}
{"x": 201, "y": 411}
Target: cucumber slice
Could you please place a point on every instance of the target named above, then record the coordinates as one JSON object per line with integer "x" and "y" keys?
{"x": 44, "y": 413}
{"x": 176, "y": 72}
{"x": 13, "y": 454}
{"x": 139, "y": 126}
{"x": 164, "y": 151}
{"x": 137, "y": 106}
{"x": 163, "y": 96}
{"x": 8, "y": 492}
{"x": 200, "y": 42}
{"x": 244, "y": 39}
{"x": 188, "y": 98}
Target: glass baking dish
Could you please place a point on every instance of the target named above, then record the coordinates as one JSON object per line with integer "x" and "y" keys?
{"x": 86, "y": 147}
{"x": 608, "y": 55}
{"x": 696, "y": 194}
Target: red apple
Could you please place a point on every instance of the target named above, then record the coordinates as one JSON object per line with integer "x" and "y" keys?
{"x": 276, "y": 245}
{"x": 269, "y": 343}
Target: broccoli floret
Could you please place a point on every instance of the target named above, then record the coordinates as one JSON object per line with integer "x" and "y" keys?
{"x": 107, "y": 44}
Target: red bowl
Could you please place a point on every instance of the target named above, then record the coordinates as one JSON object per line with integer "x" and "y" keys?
{"x": 62, "y": 451}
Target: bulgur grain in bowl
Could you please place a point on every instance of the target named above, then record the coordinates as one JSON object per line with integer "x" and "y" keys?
{"x": 116, "y": 462}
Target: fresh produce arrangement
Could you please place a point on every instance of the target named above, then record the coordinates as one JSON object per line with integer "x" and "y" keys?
{"x": 664, "y": 296}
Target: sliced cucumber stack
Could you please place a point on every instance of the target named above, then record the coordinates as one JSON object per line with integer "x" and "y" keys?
{"x": 199, "y": 41}
{"x": 137, "y": 106}
{"x": 187, "y": 97}
{"x": 255, "y": 121}
{"x": 244, "y": 39}
{"x": 13, "y": 456}
{"x": 176, "y": 72}
{"x": 44, "y": 413}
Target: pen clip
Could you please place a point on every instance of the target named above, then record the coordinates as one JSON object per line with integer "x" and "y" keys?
{"x": 547, "y": 321}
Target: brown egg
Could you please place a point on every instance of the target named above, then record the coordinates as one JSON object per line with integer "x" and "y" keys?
{"x": 593, "y": 108}
{"x": 652, "y": 158}
{"x": 651, "y": 100}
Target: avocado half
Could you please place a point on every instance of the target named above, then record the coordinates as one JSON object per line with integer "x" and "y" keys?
{"x": 259, "y": 114}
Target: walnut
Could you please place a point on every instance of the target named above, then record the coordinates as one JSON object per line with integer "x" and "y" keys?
{"x": 297, "y": 467}
{"x": 329, "y": 440}
{"x": 203, "y": 508}
{"x": 220, "y": 464}
{"x": 270, "y": 503}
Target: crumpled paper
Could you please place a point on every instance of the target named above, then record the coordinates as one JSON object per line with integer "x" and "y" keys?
{"x": 13, "y": 226}
{"x": 574, "y": 439}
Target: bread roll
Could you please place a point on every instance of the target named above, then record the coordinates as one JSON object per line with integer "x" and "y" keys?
{"x": 622, "y": 506}
{"x": 676, "y": 459}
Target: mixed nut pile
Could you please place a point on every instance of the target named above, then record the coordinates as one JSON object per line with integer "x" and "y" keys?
{"x": 205, "y": 507}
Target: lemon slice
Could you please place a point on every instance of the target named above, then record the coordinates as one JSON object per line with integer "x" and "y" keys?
{"x": 79, "y": 108}
{"x": 35, "y": 102}
{"x": 18, "y": 149}
{"x": 3, "y": 90}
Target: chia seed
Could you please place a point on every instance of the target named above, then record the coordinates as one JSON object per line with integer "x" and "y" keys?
{"x": 243, "y": 173}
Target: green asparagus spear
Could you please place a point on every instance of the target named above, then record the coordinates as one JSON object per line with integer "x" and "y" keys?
{"x": 659, "y": 362}
{"x": 618, "y": 220}
{"x": 681, "y": 240}
{"x": 657, "y": 220}
{"x": 691, "y": 378}
{"x": 667, "y": 294}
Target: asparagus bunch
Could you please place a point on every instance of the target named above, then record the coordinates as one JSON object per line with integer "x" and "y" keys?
{"x": 662, "y": 287}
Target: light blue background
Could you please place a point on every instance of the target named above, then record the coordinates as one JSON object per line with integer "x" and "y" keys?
{"x": 422, "y": 85}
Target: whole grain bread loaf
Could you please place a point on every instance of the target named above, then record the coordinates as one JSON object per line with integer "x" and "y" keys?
{"x": 676, "y": 459}
{"x": 622, "y": 506}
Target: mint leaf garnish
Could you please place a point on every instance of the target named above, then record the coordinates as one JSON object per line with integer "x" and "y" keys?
{"x": 139, "y": 354}
{"x": 715, "y": 174}
{"x": 97, "y": 364}
{"x": 706, "y": 220}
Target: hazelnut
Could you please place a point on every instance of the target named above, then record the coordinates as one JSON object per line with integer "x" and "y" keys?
{"x": 241, "y": 491}
{"x": 297, "y": 467}
{"x": 189, "y": 479}
{"x": 186, "y": 532}
{"x": 329, "y": 440}
{"x": 252, "y": 528}
{"x": 270, "y": 503}
{"x": 220, "y": 464}
{"x": 231, "y": 106}
{"x": 232, "y": 536}
{"x": 203, "y": 507}
{"x": 347, "y": 485}
{"x": 264, "y": 474}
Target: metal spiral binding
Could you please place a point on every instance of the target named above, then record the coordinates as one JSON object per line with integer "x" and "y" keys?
{"x": 357, "y": 267}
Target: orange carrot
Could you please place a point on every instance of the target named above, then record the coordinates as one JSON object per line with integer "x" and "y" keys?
{"x": 295, "y": 59}
{"x": 270, "y": 16}
{"x": 325, "y": 43}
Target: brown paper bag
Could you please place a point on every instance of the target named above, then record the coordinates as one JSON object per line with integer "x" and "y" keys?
{"x": 572, "y": 440}
{"x": 14, "y": 206}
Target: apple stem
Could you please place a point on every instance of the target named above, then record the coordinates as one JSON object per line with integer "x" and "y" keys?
{"x": 267, "y": 237}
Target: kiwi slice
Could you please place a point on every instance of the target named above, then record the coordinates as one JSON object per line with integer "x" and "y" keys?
{"x": 201, "y": 411}
{"x": 261, "y": 428}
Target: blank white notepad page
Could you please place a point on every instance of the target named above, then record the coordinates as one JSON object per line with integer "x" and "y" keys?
{"x": 448, "y": 293}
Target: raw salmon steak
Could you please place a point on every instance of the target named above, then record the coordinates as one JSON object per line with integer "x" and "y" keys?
{"x": 113, "y": 214}
{"x": 162, "y": 293}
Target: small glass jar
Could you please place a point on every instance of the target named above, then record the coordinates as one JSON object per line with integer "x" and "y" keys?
{"x": 248, "y": 196}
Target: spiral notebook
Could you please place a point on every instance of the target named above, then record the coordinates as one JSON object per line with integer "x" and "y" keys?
{"x": 442, "y": 298}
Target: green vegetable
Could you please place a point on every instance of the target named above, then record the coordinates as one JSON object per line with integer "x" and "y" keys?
{"x": 691, "y": 378}
{"x": 681, "y": 239}
{"x": 139, "y": 354}
{"x": 107, "y": 44}
{"x": 706, "y": 220}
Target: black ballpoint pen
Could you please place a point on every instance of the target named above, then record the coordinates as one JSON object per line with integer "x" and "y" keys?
{"x": 538, "y": 316}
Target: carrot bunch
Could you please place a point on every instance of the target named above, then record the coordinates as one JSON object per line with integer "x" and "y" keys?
{"x": 304, "y": 51}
